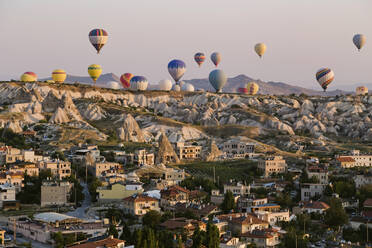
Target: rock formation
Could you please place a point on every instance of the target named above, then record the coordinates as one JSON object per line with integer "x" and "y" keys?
{"x": 166, "y": 153}
{"x": 212, "y": 152}
{"x": 129, "y": 130}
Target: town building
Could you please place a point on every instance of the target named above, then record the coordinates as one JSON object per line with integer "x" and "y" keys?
{"x": 7, "y": 194}
{"x": 242, "y": 222}
{"x": 109, "y": 242}
{"x": 273, "y": 217}
{"x": 318, "y": 172}
{"x": 248, "y": 204}
{"x": 238, "y": 149}
{"x": 237, "y": 188}
{"x": 138, "y": 158}
{"x": 25, "y": 168}
{"x": 60, "y": 169}
{"x": 10, "y": 155}
{"x": 187, "y": 151}
{"x": 80, "y": 154}
{"x": 315, "y": 207}
{"x": 99, "y": 168}
{"x": 311, "y": 190}
{"x": 266, "y": 238}
{"x": 118, "y": 191}
{"x": 217, "y": 197}
{"x": 182, "y": 225}
{"x": 54, "y": 193}
{"x": 173, "y": 176}
{"x": 231, "y": 242}
{"x": 355, "y": 159}
{"x": 271, "y": 165}
{"x": 171, "y": 196}
{"x": 362, "y": 180}
{"x": 2, "y": 236}
{"x": 12, "y": 179}
{"x": 42, "y": 227}
{"x": 140, "y": 204}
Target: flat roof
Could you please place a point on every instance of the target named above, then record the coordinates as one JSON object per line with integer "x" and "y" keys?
{"x": 51, "y": 217}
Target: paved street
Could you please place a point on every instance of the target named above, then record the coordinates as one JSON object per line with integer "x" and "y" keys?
{"x": 80, "y": 211}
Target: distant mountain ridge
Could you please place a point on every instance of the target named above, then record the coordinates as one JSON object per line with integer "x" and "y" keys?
{"x": 232, "y": 85}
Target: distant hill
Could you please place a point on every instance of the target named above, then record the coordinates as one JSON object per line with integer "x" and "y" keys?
{"x": 232, "y": 85}
{"x": 270, "y": 88}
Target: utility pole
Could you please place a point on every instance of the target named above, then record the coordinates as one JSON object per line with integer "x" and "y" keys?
{"x": 296, "y": 240}
{"x": 367, "y": 233}
{"x": 15, "y": 231}
{"x": 214, "y": 174}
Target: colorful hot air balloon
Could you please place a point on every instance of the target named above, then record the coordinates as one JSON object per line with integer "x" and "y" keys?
{"x": 252, "y": 88}
{"x": 216, "y": 58}
{"x": 199, "y": 58}
{"x": 359, "y": 40}
{"x": 243, "y": 90}
{"x": 176, "y": 69}
{"x": 138, "y": 83}
{"x": 29, "y": 76}
{"x": 361, "y": 90}
{"x": 98, "y": 38}
{"x": 125, "y": 79}
{"x": 325, "y": 76}
{"x": 59, "y": 76}
{"x": 218, "y": 79}
{"x": 260, "y": 49}
{"x": 94, "y": 72}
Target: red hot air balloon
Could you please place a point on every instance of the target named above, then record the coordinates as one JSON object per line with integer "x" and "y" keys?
{"x": 125, "y": 79}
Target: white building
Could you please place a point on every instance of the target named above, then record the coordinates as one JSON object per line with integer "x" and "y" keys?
{"x": 360, "y": 160}
{"x": 361, "y": 180}
{"x": 310, "y": 190}
{"x": 7, "y": 193}
{"x": 238, "y": 149}
{"x": 273, "y": 217}
{"x": 320, "y": 173}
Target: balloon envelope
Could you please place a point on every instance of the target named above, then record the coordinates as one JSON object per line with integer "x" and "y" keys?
{"x": 139, "y": 83}
{"x": 260, "y": 49}
{"x": 176, "y": 69}
{"x": 94, "y": 71}
{"x": 59, "y": 76}
{"x": 188, "y": 87}
{"x": 176, "y": 87}
{"x": 243, "y": 90}
{"x": 325, "y": 76}
{"x": 361, "y": 90}
{"x": 113, "y": 85}
{"x": 199, "y": 58}
{"x": 216, "y": 58}
{"x": 29, "y": 76}
{"x": 252, "y": 88}
{"x": 125, "y": 79}
{"x": 98, "y": 38}
{"x": 359, "y": 40}
{"x": 165, "y": 84}
{"x": 218, "y": 79}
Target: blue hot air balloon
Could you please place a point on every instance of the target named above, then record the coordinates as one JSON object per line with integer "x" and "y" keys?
{"x": 139, "y": 83}
{"x": 176, "y": 69}
{"x": 218, "y": 79}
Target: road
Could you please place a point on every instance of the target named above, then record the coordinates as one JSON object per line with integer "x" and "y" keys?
{"x": 80, "y": 212}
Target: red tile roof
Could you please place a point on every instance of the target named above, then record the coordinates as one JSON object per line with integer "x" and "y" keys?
{"x": 139, "y": 198}
{"x": 109, "y": 243}
{"x": 367, "y": 203}
{"x": 346, "y": 159}
{"x": 316, "y": 205}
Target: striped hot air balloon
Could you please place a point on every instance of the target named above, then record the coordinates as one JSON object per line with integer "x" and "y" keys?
{"x": 125, "y": 79}
{"x": 199, "y": 58}
{"x": 176, "y": 69}
{"x": 216, "y": 58}
{"x": 59, "y": 76}
{"x": 252, "y": 88}
{"x": 325, "y": 76}
{"x": 29, "y": 76}
{"x": 139, "y": 83}
{"x": 98, "y": 38}
{"x": 94, "y": 72}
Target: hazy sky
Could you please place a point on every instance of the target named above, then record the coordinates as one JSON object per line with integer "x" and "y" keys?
{"x": 301, "y": 35}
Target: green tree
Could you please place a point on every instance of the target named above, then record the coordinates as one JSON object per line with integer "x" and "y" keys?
{"x": 228, "y": 203}
{"x": 328, "y": 191}
{"x": 113, "y": 231}
{"x": 58, "y": 238}
{"x": 197, "y": 238}
{"x": 59, "y": 155}
{"x": 335, "y": 216}
{"x": 212, "y": 236}
{"x": 151, "y": 219}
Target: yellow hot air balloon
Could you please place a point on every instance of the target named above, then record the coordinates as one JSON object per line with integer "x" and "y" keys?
{"x": 260, "y": 49}
{"x": 29, "y": 76}
{"x": 94, "y": 72}
{"x": 252, "y": 88}
{"x": 59, "y": 76}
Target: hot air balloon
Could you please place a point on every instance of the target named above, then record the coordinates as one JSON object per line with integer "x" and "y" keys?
{"x": 181, "y": 83}
{"x": 243, "y": 90}
{"x": 125, "y": 79}
{"x": 361, "y": 90}
{"x": 176, "y": 87}
{"x": 94, "y": 72}
{"x": 138, "y": 83}
{"x": 216, "y": 58}
{"x": 359, "y": 40}
{"x": 199, "y": 58}
{"x": 188, "y": 87}
{"x": 98, "y": 38}
{"x": 29, "y": 76}
{"x": 218, "y": 79}
{"x": 176, "y": 69}
{"x": 165, "y": 84}
{"x": 252, "y": 88}
{"x": 112, "y": 85}
{"x": 260, "y": 49}
{"x": 59, "y": 76}
{"x": 325, "y": 76}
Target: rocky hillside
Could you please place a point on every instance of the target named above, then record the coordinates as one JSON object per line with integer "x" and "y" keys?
{"x": 143, "y": 116}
